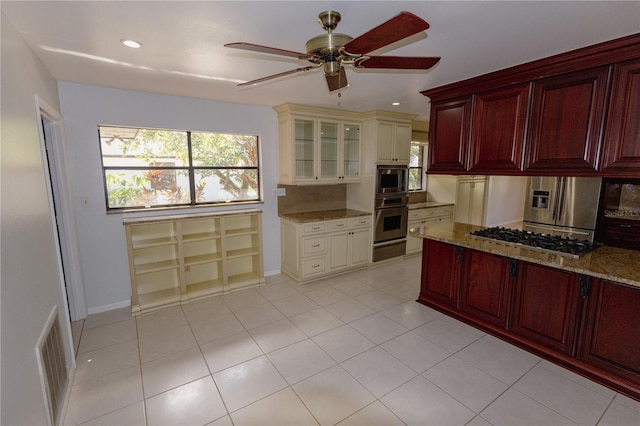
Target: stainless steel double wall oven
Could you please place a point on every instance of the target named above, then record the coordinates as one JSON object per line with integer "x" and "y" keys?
{"x": 391, "y": 212}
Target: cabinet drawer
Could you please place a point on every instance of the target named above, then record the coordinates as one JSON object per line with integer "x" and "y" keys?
{"x": 430, "y": 212}
{"x": 312, "y": 228}
{"x": 337, "y": 225}
{"x": 621, "y": 233}
{"x": 314, "y": 245}
{"x": 360, "y": 222}
{"x": 314, "y": 266}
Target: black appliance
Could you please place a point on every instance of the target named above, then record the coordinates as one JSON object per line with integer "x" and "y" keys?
{"x": 550, "y": 243}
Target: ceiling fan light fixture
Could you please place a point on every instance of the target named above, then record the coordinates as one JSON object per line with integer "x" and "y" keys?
{"x": 131, "y": 43}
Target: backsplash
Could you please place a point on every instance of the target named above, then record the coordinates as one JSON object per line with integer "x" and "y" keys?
{"x": 300, "y": 199}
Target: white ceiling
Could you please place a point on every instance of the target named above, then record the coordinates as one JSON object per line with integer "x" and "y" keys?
{"x": 183, "y": 53}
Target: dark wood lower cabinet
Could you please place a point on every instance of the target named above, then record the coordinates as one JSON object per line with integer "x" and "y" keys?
{"x": 611, "y": 336}
{"x": 485, "y": 288}
{"x": 545, "y": 308}
{"x": 441, "y": 267}
{"x": 588, "y": 325}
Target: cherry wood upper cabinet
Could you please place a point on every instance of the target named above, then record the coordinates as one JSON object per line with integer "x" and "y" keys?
{"x": 567, "y": 121}
{"x": 449, "y": 133}
{"x": 498, "y": 129}
{"x": 621, "y": 153}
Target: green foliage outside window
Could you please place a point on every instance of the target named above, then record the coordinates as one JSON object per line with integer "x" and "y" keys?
{"x": 158, "y": 168}
{"x": 415, "y": 167}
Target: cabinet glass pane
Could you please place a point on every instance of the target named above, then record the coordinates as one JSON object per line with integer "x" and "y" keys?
{"x": 304, "y": 155}
{"x": 329, "y": 150}
{"x": 351, "y": 150}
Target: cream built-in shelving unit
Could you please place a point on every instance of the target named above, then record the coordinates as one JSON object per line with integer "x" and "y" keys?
{"x": 180, "y": 258}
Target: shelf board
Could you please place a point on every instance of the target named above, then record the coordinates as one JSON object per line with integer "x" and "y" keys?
{"x": 160, "y": 297}
{"x": 205, "y": 288}
{"x": 232, "y": 254}
{"x": 241, "y": 231}
{"x": 163, "y": 265}
{"x": 200, "y": 236}
{"x": 248, "y": 278}
{"x": 202, "y": 258}
{"x": 153, "y": 242}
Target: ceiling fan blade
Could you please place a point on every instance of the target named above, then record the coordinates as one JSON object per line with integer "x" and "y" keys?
{"x": 401, "y": 26}
{"x": 272, "y": 50}
{"x": 336, "y": 82}
{"x": 396, "y": 62}
{"x": 271, "y": 77}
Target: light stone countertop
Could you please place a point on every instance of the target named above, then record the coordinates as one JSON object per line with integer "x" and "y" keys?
{"x": 611, "y": 263}
{"x": 320, "y": 215}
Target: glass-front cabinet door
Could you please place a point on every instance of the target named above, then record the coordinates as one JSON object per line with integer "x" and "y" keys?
{"x": 304, "y": 141}
{"x": 329, "y": 150}
{"x": 351, "y": 151}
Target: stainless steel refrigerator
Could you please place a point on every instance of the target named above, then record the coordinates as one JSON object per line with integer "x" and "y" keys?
{"x": 566, "y": 206}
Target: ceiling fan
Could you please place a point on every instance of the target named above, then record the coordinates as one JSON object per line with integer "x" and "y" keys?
{"x": 332, "y": 50}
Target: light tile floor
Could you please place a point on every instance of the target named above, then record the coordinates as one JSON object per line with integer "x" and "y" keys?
{"x": 351, "y": 350}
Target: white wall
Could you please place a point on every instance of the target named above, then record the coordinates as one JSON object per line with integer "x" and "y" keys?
{"x": 442, "y": 188}
{"x": 505, "y": 200}
{"x": 103, "y": 249}
{"x": 31, "y": 284}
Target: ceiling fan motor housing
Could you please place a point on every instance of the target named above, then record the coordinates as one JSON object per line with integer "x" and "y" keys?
{"x": 326, "y": 47}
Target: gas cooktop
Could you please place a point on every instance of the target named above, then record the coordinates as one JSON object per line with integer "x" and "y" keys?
{"x": 549, "y": 243}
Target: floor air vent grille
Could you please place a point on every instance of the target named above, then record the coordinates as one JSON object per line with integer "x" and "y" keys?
{"x": 53, "y": 367}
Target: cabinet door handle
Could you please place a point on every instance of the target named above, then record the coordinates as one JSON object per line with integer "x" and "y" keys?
{"x": 460, "y": 254}
{"x": 585, "y": 286}
{"x": 625, "y": 226}
{"x": 315, "y": 245}
{"x": 513, "y": 268}
{"x": 315, "y": 266}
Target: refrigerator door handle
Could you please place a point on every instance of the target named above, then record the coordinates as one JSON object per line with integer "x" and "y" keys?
{"x": 557, "y": 205}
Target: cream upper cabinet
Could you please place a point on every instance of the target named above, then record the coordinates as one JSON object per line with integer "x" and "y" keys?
{"x": 318, "y": 145}
{"x": 394, "y": 142}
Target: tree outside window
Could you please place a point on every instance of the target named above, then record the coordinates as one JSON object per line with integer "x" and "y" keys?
{"x": 416, "y": 167}
{"x": 152, "y": 168}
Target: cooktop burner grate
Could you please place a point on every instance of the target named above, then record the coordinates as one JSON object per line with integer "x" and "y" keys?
{"x": 549, "y": 243}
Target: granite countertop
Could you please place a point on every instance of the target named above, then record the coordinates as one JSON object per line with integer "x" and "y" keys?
{"x": 319, "y": 215}
{"x": 428, "y": 205}
{"x": 611, "y": 263}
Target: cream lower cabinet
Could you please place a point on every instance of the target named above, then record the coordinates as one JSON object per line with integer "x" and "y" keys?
{"x": 424, "y": 217}
{"x": 177, "y": 259}
{"x": 316, "y": 249}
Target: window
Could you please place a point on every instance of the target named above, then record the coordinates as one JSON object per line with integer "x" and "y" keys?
{"x": 416, "y": 175}
{"x": 152, "y": 168}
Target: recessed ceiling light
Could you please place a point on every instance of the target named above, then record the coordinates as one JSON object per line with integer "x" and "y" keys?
{"x": 131, "y": 43}
{"x": 395, "y": 103}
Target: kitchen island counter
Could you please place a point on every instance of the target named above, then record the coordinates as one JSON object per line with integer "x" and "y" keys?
{"x": 610, "y": 263}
